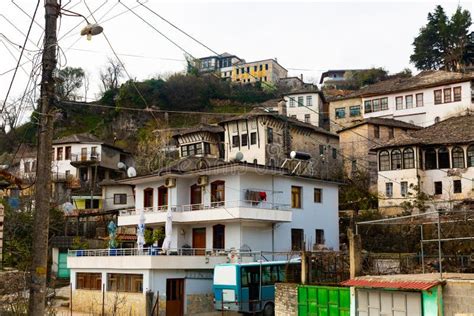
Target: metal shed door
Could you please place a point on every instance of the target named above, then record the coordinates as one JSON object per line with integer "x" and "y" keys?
{"x": 388, "y": 303}
{"x": 63, "y": 271}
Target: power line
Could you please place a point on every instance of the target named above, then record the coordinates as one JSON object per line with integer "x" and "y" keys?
{"x": 19, "y": 58}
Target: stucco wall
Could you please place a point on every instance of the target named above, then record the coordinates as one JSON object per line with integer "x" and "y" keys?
{"x": 126, "y": 304}
{"x": 336, "y": 124}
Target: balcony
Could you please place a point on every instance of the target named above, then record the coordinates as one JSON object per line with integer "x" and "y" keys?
{"x": 88, "y": 158}
{"x": 217, "y": 211}
{"x": 153, "y": 258}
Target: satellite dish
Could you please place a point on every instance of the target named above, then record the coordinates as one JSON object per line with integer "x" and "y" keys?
{"x": 121, "y": 165}
{"x": 131, "y": 172}
{"x": 239, "y": 156}
{"x": 68, "y": 207}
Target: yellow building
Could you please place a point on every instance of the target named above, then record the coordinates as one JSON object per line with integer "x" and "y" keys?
{"x": 268, "y": 70}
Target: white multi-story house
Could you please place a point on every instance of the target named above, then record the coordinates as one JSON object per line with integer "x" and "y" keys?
{"x": 439, "y": 160}
{"x": 83, "y": 161}
{"x": 221, "y": 210}
{"x": 424, "y": 99}
{"x": 305, "y": 105}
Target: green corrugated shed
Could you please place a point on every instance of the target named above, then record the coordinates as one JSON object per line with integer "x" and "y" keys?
{"x": 314, "y": 300}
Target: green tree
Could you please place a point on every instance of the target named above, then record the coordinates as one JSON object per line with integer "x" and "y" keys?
{"x": 442, "y": 42}
{"x": 68, "y": 80}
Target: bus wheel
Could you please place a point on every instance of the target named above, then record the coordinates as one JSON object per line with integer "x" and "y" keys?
{"x": 268, "y": 310}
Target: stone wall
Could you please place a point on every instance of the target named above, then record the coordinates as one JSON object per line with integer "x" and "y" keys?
{"x": 286, "y": 299}
{"x": 126, "y": 304}
{"x": 199, "y": 303}
{"x": 458, "y": 298}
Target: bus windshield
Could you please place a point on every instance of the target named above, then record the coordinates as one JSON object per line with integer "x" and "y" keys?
{"x": 225, "y": 275}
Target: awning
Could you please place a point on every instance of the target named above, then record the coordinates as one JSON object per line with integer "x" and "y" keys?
{"x": 395, "y": 284}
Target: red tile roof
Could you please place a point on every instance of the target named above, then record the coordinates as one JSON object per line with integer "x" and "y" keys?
{"x": 401, "y": 285}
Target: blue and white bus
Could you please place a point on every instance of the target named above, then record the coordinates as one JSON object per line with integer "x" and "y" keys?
{"x": 250, "y": 287}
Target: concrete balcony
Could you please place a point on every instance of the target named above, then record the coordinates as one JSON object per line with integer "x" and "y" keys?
{"x": 183, "y": 258}
{"x": 85, "y": 159}
{"x": 217, "y": 211}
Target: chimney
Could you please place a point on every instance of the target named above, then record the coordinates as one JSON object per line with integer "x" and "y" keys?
{"x": 282, "y": 107}
{"x": 301, "y": 77}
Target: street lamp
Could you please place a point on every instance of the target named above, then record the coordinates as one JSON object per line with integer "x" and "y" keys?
{"x": 90, "y": 30}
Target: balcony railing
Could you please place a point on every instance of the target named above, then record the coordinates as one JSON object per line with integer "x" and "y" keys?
{"x": 213, "y": 205}
{"x": 89, "y": 156}
{"x": 156, "y": 251}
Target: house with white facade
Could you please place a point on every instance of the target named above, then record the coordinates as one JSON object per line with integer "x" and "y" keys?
{"x": 437, "y": 161}
{"x": 305, "y": 104}
{"x": 255, "y": 205}
{"x": 424, "y": 99}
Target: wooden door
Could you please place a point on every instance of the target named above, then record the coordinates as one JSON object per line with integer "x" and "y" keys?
{"x": 196, "y": 197}
{"x": 199, "y": 240}
{"x": 174, "y": 297}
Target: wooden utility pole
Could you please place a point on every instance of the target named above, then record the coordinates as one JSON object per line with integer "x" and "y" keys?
{"x": 43, "y": 171}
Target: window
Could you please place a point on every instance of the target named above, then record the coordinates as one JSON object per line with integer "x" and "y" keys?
{"x": 458, "y": 157}
{"x": 399, "y": 103}
{"x": 253, "y": 138}
{"x": 265, "y": 78}
{"x": 270, "y": 135}
{"x": 88, "y": 281}
{"x": 340, "y": 113}
{"x": 384, "y": 104}
{"x": 255, "y": 68}
{"x": 148, "y": 197}
{"x": 120, "y": 198}
{"x": 437, "y": 119}
{"x": 162, "y": 197}
{"x": 384, "y": 161}
{"x": 457, "y": 94}
{"x": 409, "y": 101}
{"x": 334, "y": 153}
{"x": 376, "y": 105}
{"x": 321, "y": 149}
{"x": 67, "y": 154}
{"x": 419, "y": 100}
{"x": 94, "y": 152}
{"x": 354, "y": 110}
{"x": 292, "y": 102}
{"x": 93, "y": 205}
{"x": 438, "y": 186}
{"x": 408, "y": 158}
{"x": 207, "y": 148}
{"x": 389, "y": 189}
{"x": 59, "y": 153}
{"x": 438, "y": 98}
{"x": 235, "y": 141}
{"x": 248, "y": 69}
{"x": 404, "y": 188}
{"x": 237, "y": 71}
{"x": 309, "y": 100}
{"x": 26, "y": 166}
{"x": 300, "y": 101}
{"x": 296, "y": 239}
{"x": 376, "y": 131}
{"x": 245, "y": 138}
{"x": 217, "y": 193}
{"x": 307, "y": 118}
{"x": 390, "y": 132}
{"x": 295, "y": 197}
{"x": 320, "y": 237}
{"x": 430, "y": 159}
{"x": 318, "y": 195}
{"x": 266, "y": 66}
{"x": 261, "y": 67}
{"x": 443, "y": 158}
{"x": 119, "y": 282}
{"x": 368, "y": 106}
{"x": 457, "y": 186}
{"x": 396, "y": 159}
{"x": 470, "y": 156}
{"x": 447, "y": 95}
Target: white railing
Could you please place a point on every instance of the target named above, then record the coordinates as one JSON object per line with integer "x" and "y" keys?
{"x": 209, "y": 206}
{"x": 156, "y": 251}
{"x": 89, "y": 156}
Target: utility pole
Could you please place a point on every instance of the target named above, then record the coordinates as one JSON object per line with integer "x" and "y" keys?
{"x": 43, "y": 171}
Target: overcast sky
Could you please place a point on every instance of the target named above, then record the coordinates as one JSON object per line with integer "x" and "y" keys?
{"x": 306, "y": 37}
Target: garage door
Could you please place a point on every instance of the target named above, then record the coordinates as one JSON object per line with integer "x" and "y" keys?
{"x": 388, "y": 303}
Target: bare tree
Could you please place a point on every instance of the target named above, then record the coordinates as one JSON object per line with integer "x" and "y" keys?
{"x": 68, "y": 81}
{"x": 153, "y": 151}
{"x": 110, "y": 75}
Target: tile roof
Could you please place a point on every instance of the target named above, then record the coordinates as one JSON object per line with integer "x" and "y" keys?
{"x": 276, "y": 116}
{"x": 392, "y": 284}
{"x": 424, "y": 79}
{"x": 383, "y": 122}
{"x": 200, "y": 128}
{"x": 78, "y": 138}
{"x": 454, "y": 130}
